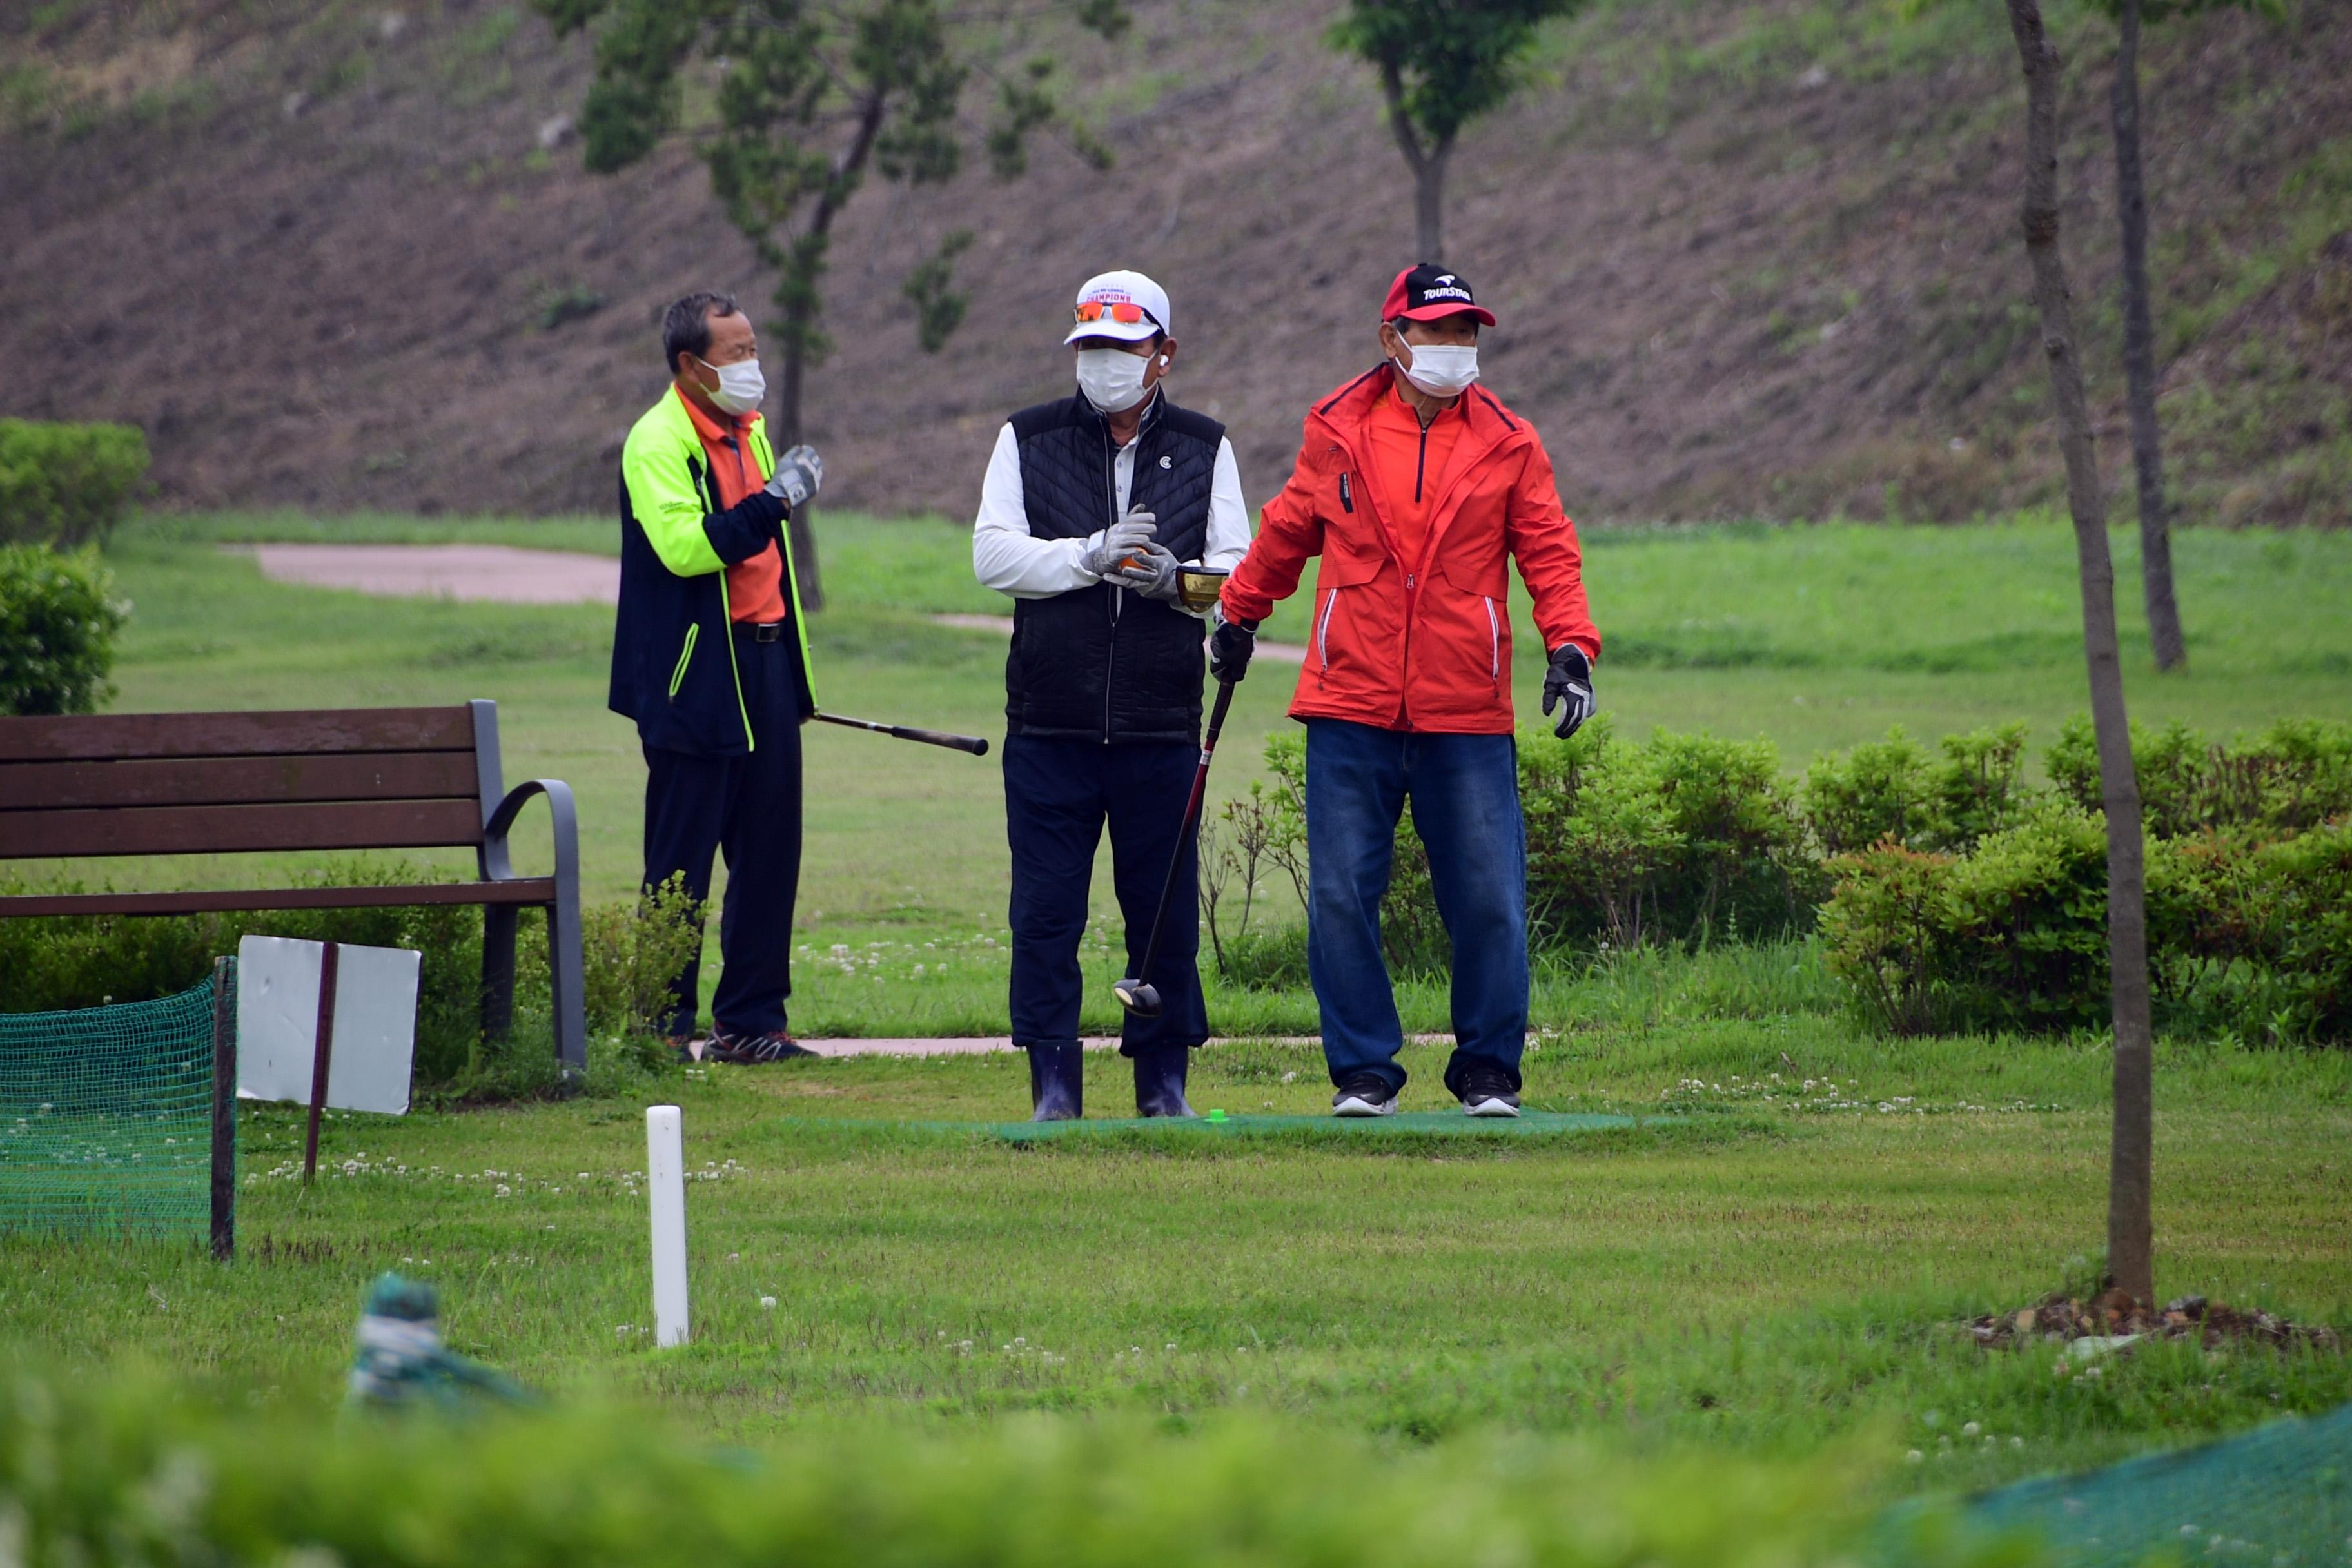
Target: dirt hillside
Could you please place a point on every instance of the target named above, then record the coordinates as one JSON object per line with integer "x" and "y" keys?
{"x": 1751, "y": 258}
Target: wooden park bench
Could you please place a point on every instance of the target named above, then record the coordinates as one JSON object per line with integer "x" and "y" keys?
{"x": 338, "y": 778}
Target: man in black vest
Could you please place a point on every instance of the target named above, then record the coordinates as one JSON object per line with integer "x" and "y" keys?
{"x": 1089, "y": 505}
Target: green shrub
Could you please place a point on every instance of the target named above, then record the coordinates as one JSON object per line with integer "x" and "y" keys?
{"x": 97, "y": 1470}
{"x": 2290, "y": 779}
{"x": 67, "y": 485}
{"x": 2246, "y": 935}
{"x": 1891, "y": 789}
{"x": 58, "y": 619}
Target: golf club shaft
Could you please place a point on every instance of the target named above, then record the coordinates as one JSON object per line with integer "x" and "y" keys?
{"x": 1184, "y": 832}
{"x": 977, "y": 745}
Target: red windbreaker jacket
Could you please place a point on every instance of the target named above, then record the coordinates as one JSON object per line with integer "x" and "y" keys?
{"x": 1416, "y": 645}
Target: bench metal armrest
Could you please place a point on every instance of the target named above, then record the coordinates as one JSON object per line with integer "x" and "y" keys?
{"x": 497, "y": 868}
{"x": 564, "y": 943}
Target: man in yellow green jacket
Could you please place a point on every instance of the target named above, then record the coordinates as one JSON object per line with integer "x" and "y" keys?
{"x": 710, "y": 659}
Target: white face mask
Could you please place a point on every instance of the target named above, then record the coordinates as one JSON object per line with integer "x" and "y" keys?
{"x": 741, "y": 387}
{"x": 1443, "y": 370}
{"x": 1112, "y": 379}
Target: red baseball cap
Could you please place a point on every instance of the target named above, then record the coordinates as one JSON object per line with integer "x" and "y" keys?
{"x": 1428, "y": 291}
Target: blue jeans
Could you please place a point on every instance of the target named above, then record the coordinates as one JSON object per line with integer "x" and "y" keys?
{"x": 1058, "y": 797}
{"x": 1464, "y": 791}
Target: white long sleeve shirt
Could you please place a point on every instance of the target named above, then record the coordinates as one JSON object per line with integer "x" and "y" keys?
{"x": 1005, "y": 557}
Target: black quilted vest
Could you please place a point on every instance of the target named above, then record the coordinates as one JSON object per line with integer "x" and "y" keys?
{"x": 1096, "y": 663}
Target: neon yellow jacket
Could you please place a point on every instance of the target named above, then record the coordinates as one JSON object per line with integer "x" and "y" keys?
{"x": 677, "y": 544}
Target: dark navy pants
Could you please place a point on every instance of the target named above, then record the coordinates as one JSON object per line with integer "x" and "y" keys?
{"x": 1464, "y": 791}
{"x": 1057, "y": 796}
{"x": 748, "y": 808}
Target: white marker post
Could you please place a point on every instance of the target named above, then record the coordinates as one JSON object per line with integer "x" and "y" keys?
{"x": 665, "y": 1185}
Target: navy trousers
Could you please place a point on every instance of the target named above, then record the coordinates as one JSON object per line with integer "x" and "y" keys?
{"x": 1464, "y": 791}
{"x": 748, "y": 808}
{"x": 1057, "y": 796}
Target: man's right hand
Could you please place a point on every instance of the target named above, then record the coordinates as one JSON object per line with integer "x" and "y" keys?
{"x": 799, "y": 473}
{"x": 1114, "y": 545}
{"x": 1230, "y": 643}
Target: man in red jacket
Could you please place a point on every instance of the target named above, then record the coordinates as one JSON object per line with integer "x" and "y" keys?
{"x": 1413, "y": 485}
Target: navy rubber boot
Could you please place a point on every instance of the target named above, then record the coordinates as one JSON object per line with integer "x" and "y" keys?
{"x": 1160, "y": 1080}
{"x": 1057, "y": 1082}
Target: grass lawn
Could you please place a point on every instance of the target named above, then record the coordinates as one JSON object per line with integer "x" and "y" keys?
{"x": 1817, "y": 637}
{"x": 1754, "y": 1274}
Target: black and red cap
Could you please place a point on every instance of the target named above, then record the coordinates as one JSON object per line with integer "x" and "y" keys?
{"x": 1428, "y": 291}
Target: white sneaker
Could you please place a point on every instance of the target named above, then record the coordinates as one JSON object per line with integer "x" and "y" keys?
{"x": 1364, "y": 1094}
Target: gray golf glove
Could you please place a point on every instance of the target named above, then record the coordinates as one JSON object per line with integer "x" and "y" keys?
{"x": 1569, "y": 681}
{"x": 1150, "y": 571}
{"x": 800, "y": 473}
{"x": 1122, "y": 540}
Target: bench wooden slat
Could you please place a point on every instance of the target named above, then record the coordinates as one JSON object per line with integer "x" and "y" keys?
{"x": 308, "y": 732}
{"x": 239, "y": 781}
{"x": 230, "y": 829}
{"x": 521, "y": 890}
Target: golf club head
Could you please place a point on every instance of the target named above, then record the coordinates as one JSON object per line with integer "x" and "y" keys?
{"x": 1139, "y": 998}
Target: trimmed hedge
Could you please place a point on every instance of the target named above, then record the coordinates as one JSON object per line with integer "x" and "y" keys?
{"x": 1951, "y": 893}
{"x": 58, "y": 620}
{"x": 68, "y": 485}
{"x": 97, "y": 1471}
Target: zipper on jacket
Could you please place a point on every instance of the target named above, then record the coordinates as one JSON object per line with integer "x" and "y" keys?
{"x": 1323, "y": 629}
{"x": 1110, "y": 491}
{"x": 1347, "y": 497}
{"x": 1419, "y": 463}
{"x": 678, "y": 676}
{"x": 1494, "y": 645}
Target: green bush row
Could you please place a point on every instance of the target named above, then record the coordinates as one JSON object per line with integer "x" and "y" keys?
{"x": 97, "y": 1471}
{"x": 2246, "y": 934}
{"x": 58, "y": 619}
{"x": 68, "y": 485}
{"x": 1954, "y": 892}
{"x": 50, "y": 962}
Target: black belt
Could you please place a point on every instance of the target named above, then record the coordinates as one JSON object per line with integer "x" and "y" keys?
{"x": 772, "y": 631}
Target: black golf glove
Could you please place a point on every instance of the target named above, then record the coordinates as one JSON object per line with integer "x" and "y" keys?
{"x": 1230, "y": 643}
{"x": 1569, "y": 681}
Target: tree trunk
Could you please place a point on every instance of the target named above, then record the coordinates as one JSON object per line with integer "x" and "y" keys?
{"x": 2139, "y": 350}
{"x": 1429, "y": 202}
{"x": 807, "y": 574}
{"x": 2130, "y": 1227}
{"x": 1427, "y": 165}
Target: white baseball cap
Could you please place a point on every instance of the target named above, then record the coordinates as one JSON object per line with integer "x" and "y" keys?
{"x": 1109, "y": 290}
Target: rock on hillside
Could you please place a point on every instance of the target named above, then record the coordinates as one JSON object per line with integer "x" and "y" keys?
{"x": 1754, "y": 257}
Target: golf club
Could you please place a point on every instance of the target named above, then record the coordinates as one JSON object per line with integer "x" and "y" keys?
{"x": 977, "y": 745}
{"x": 1135, "y": 993}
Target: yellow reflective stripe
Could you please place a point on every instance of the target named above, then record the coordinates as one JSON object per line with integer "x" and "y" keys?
{"x": 678, "y": 676}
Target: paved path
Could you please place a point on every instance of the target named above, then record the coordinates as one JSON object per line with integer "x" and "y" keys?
{"x": 506, "y": 575}
{"x": 973, "y": 1045}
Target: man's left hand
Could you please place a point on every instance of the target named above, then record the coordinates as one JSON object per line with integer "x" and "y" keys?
{"x": 1569, "y": 681}
{"x": 800, "y": 473}
{"x": 1151, "y": 570}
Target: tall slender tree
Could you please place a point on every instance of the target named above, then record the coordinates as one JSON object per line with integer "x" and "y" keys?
{"x": 2140, "y": 330}
{"x": 807, "y": 97}
{"x": 1442, "y": 63}
{"x": 2130, "y": 1223}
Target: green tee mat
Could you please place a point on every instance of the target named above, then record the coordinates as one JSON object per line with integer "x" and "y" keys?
{"x": 106, "y": 1119}
{"x": 1420, "y": 1123}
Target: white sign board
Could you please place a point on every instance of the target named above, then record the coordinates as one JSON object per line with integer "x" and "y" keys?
{"x": 374, "y": 1040}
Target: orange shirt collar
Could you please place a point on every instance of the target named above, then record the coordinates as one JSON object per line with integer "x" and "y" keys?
{"x": 708, "y": 428}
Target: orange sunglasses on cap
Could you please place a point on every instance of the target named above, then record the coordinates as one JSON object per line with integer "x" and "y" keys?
{"x": 1124, "y": 311}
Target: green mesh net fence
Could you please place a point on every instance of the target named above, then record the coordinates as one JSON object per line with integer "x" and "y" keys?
{"x": 106, "y": 1119}
{"x": 2278, "y": 1497}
